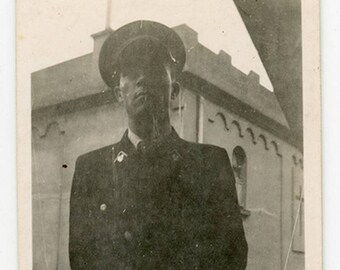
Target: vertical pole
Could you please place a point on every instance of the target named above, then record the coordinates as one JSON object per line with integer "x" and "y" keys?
{"x": 181, "y": 114}
{"x": 294, "y": 229}
{"x": 200, "y": 118}
{"x": 108, "y": 14}
{"x": 282, "y": 201}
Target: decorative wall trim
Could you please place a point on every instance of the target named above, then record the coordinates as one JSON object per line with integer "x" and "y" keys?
{"x": 238, "y": 126}
{"x": 276, "y": 148}
{"x": 252, "y": 135}
{"x": 224, "y": 120}
{"x": 268, "y": 143}
{"x": 297, "y": 161}
{"x": 228, "y": 102}
{"x": 264, "y": 139}
{"x": 301, "y": 163}
{"x": 43, "y": 130}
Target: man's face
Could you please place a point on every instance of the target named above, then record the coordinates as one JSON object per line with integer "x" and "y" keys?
{"x": 145, "y": 89}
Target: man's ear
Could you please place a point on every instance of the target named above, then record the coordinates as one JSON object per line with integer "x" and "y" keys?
{"x": 175, "y": 90}
{"x": 118, "y": 94}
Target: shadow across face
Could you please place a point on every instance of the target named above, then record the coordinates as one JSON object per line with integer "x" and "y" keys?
{"x": 145, "y": 78}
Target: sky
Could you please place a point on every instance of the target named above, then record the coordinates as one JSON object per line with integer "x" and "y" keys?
{"x": 55, "y": 31}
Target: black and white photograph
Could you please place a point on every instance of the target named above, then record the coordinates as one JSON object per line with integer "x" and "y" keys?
{"x": 165, "y": 134}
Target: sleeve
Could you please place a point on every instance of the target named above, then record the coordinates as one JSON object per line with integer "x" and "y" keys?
{"x": 80, "y": 236}
{"x": 229, "y": 217}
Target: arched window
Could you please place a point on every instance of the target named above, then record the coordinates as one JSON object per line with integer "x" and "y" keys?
{"x": 239, "y": 163}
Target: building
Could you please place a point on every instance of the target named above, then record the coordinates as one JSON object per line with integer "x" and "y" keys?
{"x": 74, "y": 112}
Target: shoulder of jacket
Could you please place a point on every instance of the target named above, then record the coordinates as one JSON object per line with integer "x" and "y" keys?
{"x": 204, "y": 151}
{"x": 202, "y": 147}
{"x": 96, "y": 154}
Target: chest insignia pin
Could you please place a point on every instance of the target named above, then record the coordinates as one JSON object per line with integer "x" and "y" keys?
{"x": 176, "y": 156}
{"x": 120, "y": 157}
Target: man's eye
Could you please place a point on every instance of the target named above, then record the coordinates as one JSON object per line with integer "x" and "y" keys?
{"x": 140, "y": 83}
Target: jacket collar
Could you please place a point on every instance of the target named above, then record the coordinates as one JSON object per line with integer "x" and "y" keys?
{"x": 127, "y": 147}
{"x": 134, "y": 138}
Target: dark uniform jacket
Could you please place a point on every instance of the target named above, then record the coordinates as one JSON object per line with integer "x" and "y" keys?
{"x": 172, "y": 205}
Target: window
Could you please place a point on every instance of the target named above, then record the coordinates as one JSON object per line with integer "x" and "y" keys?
{"x": 239, "y": 163}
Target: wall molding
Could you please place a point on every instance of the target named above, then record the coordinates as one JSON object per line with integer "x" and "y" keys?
{"x": 227, "y": 123}
{"x": 238, "y": 126}
{"x": 297, "y": 161}
{"x": 264, "y": 139}
{"x": 252, "y": 135}
{"x": 43, "y": 130}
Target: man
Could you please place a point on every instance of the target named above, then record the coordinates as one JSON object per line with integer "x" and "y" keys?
{"x": 152, "y": 200}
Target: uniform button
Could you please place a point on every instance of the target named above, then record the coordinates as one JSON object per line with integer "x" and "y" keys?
{"x": 103, "y": 207}
{"x": 175, "y": 156}
{"x": 127, "y": 235}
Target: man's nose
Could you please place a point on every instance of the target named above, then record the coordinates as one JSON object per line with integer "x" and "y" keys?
{"x": 141, "y": 81}
{"x": 146, "y": 83}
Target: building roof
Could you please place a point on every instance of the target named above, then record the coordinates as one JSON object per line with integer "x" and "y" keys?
{"x": 218, "y": 70}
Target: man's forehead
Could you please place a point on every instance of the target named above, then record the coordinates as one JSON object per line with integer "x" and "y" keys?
{"x": 144, "y": 51}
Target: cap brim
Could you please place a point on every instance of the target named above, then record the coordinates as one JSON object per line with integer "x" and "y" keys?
{"x": 121, "y": 38}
